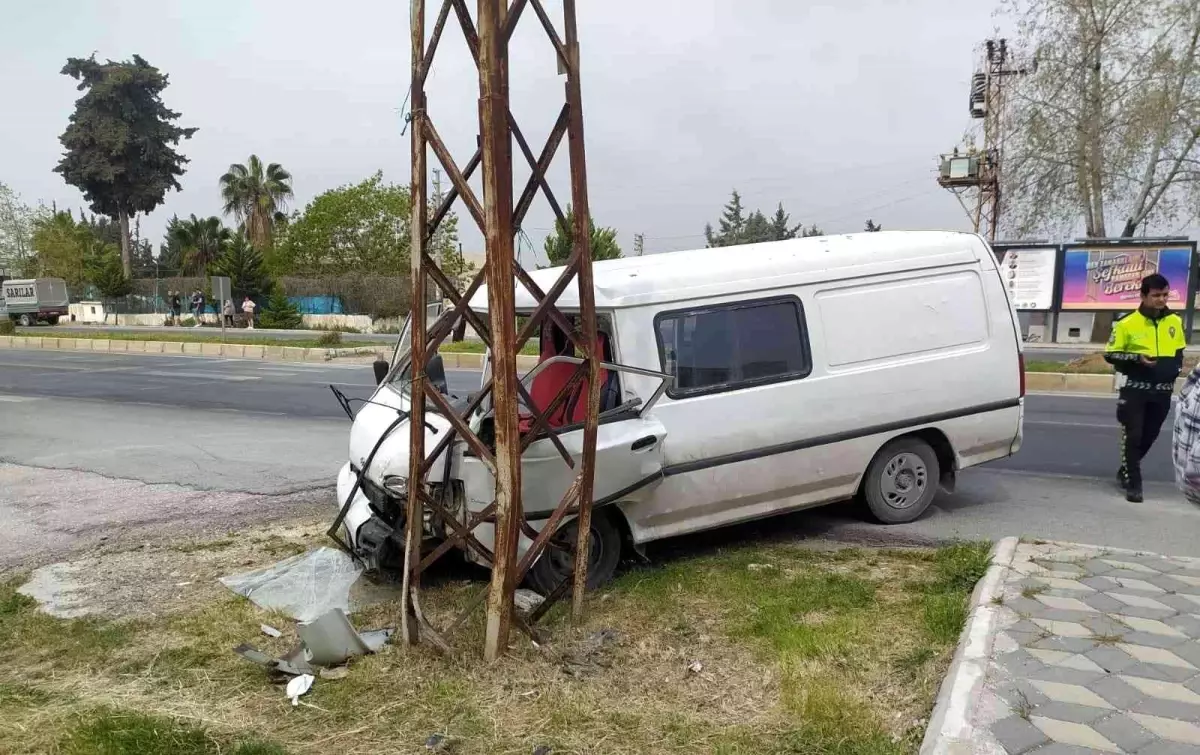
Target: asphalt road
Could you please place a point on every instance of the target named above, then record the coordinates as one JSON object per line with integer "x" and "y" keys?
{"x": 247, "y": 427}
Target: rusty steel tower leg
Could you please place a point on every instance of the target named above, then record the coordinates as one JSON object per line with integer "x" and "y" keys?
{"x": 414, "y": 522}
{"x": 498, "y": 232}
{"x": 587, "y": 305}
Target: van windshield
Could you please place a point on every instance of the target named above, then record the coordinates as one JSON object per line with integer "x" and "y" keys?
{"x": 398, "y": 375}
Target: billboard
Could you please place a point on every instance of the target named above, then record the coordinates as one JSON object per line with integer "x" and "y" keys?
{"x": 1029, "y": 274}
{"x": 1111, "y": 279}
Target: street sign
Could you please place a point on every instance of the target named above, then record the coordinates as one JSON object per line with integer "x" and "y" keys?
{"x": 220, "y": 288}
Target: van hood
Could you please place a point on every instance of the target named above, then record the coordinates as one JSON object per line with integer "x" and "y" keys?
{"x": 374, "y": 419}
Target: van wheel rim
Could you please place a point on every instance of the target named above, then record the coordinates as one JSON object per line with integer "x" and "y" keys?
{"x": 562, "y": 557}
{"x": 904, "y": 480}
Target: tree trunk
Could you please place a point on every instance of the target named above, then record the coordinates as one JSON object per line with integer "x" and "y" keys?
{"x": 126, "y": 257}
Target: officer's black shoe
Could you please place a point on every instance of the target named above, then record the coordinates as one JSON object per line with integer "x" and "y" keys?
{"x": 1122, "y": 484}
{"x": 1134, "y": 495}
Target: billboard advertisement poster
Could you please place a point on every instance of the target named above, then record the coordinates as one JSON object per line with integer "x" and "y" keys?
{"x": 1029, "y": 275}
{"x": 1111, "y": 279}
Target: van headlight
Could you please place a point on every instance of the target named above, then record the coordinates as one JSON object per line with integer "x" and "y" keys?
{"x": 396, "y": 485}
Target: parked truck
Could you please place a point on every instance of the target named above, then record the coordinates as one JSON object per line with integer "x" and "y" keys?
{"x": 33, "y": 300}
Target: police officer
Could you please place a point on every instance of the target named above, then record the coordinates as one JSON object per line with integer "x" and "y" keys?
{"x": 1147, "y": 348}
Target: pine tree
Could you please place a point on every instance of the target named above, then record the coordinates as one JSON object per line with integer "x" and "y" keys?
{"x": 780, "y": 229}
{"x": 732, "y": 223}
{"x": 872, "y": 227}
{"x": 280, "y": 313}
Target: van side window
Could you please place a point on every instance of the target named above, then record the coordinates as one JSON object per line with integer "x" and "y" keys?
{"x": 731, "y": 346}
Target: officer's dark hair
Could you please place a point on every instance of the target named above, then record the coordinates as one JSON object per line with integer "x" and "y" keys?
{"x": 1154, "y": 282}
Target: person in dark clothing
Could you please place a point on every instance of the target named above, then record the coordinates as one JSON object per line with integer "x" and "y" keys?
{"x": 1146, "y": 347}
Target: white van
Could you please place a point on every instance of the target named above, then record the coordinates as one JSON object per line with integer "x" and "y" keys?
{"x": 739, "y": 383}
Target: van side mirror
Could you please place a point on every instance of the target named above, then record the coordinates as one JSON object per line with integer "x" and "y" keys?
{"x": 381, "y": 370}
{"x": 435, "y": 372}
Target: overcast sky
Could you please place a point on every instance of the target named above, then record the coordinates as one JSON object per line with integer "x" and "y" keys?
{"x": 836, "y": 109}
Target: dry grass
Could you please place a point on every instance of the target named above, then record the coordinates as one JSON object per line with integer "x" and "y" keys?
{"x": 799, "y": 651}
{"x": 1091, "y": 364}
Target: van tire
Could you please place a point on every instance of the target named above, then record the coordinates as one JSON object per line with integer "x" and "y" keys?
{"x": 901, "y": 481}
{"x": 26, "y": 321}
{"x": 554, "y": 564}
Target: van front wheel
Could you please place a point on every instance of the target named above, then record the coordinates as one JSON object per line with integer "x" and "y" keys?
{"x": 901, "y": 481}
{"x": 556, "y": 562}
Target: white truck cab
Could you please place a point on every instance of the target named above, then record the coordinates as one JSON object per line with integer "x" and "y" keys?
{"x": 738, "y": 383}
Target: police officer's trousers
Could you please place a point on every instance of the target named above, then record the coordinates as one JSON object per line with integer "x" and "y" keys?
{"x": 1141, "y": 416}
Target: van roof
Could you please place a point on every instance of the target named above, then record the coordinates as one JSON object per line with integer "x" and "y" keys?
{"x": 676, "y": 276}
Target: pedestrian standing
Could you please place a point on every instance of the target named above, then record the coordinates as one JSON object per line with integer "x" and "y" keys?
{"x": 1146, "y": 347}
{"x": 1185, "y": 446}
{"x": 170, "y": 307}
{"x": 197, "y": 306}
{"x": 227, "y": 312}
{"x": 176, "y": 307}
{"x": 248, "y": 311}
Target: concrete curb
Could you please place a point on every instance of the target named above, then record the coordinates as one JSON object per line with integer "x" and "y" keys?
{"x": 452, "y": 360}
{"x": 950, "y": 729}
{"x": 1064, "y": 382}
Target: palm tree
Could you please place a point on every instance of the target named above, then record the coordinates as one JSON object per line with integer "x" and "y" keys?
{"x": 257, "y": 197}
{"x": 200, "y": 241}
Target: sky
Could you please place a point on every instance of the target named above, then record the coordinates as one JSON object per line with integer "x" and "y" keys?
{"x": 837, "y": 110}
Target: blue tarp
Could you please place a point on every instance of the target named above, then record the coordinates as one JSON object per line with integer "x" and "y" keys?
{"x": 318, "y": 305}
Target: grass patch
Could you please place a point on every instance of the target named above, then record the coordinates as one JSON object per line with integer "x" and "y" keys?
{"x": 477, "y": 347}
{"x": 210, "y": 545}
{"x": 765, "y": 649}
{"x": 116, "y": 732}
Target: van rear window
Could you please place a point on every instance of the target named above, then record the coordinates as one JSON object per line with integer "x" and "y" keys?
{"x": 730, "y": 346}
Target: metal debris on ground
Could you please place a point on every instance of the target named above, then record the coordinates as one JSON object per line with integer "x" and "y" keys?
{"x": 298, "y": 686}
{"x": 289, "y": 665}
{"x": 304, "y": 587}
{"x": 439, "y": 743}
{"x": 331, "y": 639}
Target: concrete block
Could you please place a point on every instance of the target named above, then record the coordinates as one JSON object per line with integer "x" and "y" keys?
{"x": 33, "y": 342}
{"x": 6, "y": 342}
{"x": 253, "y": 352}
{"x": 526, "y": 362}
{"x": 120, "y": 346}
{"x": 135, "y": 347}
{"x": 19, "y": 342}
{"x": 450, "y": 359}
{"x": 235, "y": 350}
{"x": 293, "y": 353}
{"x": 101, "y": 344}
{"x": 171, "y": 347}
{"x": 59, "y": 343}
{"x": 273, "y": 353}
{"x": 193, "y": 348}
{"x": 210, "y": 349}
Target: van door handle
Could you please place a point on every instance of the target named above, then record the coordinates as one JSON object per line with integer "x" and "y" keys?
{"x": 642, "y": 444}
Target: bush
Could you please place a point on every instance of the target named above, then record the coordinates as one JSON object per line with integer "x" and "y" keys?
{"x": 280, "y": 313}
{"x": 7, "y": 327}
{"x": 330, "y": 338}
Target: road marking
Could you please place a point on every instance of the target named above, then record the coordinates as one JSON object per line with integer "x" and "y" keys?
{"x": 1111, "y": 426}
{"x": 19, "y": 399}
{"x": 200, "y": 375}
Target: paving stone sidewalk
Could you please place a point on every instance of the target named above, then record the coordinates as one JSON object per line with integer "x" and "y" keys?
{"x": 1097, "y": 651}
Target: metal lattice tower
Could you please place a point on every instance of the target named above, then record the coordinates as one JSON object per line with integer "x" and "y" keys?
{"x": 498, "y": 218}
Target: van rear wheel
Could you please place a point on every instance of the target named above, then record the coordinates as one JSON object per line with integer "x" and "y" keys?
{"x": 26, "y": 320}
{"x": 556, "y": 562}
{"x": 901, "y": 481}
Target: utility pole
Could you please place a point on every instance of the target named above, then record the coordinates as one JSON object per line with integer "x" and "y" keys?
{"x": 974, "y": 176}
{"x": 499, "y": 218}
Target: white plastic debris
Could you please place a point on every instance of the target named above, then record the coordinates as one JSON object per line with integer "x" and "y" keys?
{"x": 298, "y": 686}
{"x": 695, "y": 667}
{"x": 304, "y": 587}
{"x": 269, "y": 630}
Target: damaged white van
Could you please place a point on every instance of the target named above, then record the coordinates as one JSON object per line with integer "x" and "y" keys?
{"x": 739, "y": 383}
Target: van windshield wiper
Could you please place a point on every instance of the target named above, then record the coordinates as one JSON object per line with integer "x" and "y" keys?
{"x": 344, "y": 401}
